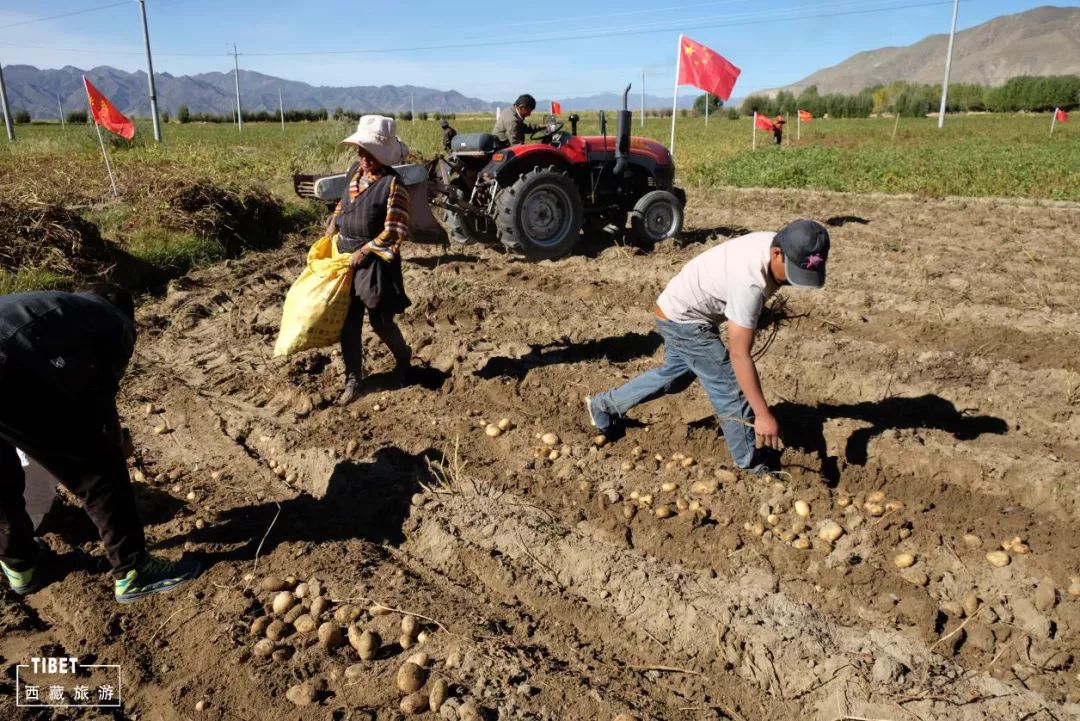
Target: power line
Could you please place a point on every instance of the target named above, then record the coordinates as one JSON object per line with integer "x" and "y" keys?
{"x": 759, "y": 19}
{"x": 64, "y": 15}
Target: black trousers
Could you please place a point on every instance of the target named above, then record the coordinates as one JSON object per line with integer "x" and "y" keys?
{"x": 82, "y": 459}
{"x": 382, "y": 322}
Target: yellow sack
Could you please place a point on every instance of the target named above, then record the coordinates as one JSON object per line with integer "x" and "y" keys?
{"x": 315, "y": 307}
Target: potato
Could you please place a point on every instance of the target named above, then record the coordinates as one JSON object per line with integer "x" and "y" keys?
{"x": 553, "y": 456}
{"x": 277, "y": 630}
{"x": 264, "y": 647}
{"x": 410, "y": 677}
{"x": 802, "y": 543}
{"x": 346, "y": 614}
{"x": 406, "y": 642}
{"x": 876, "y": 497}
{"x": 694, "y": 506}
{"x": 668, "y": 487}
{"x": 350, "y": 447}
{"x": 998, "y": 559}
{"x": 138, "y": 476}
{"x": 830, "y": 531}
{"x": 917, "y": 578}
{"x": 440, "y": 691}
{"x": 493, "y": 430}
{"x": 414, "y": 703}
{"x": 366, "y": 643}
{"x": 704, "y": 486}
{"x": 294, "y": 613}
{"x": 757, "y": 529}
{"x": 802, "y": 509}
{"x": 410, "y": 626}
{"x": 161, "y": 429}
{"x": 663, "y": 511}
{"x": 628, "y": 511}
{"x": 422, "y": 637}
{"x": 283, "y": 602}
{"x": 970, "y": 603}
{"x": 627, "y": 466}
{"x": 874, "y": 509}
{"x": 903, "y": 560}
{"x": 301, "y": 694}
{"x": 150, "y": 409}
{"x": 259, "y": 625}
{"x": 319, "y": 606}
{"x": 904, "y": 533}
{"x": 972, "y": 541}
{"x": 1021, "y": 549}
{"x": 787, "y": 536}
{"x": 191, "y": 496}
{"x": 843, "y": 501}
{"x": 305, "y": 624}
{"x": 505, "y": 424}
{"x": 772, "y": 519}
{"x": 331, "y": 636}
{"x": 646, "y": 500}
{"x": 953, "y": 608}
{"x": 634, "y": 495}
{"x": 681, "y": 504}
{"x": 420, "y": 658}
{"x": 301, "y": 590}
{"x": 688, "y": 462}
{"x": 379, "y": 610}
{"x": 550, "y": 439}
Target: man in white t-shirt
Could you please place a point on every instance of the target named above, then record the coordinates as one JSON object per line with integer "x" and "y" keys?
{"x": 726, "y": 284}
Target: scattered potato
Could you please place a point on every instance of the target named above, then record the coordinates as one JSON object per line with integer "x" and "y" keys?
{"x": 378, "y": 610}
{"x": 627, "y": 466}
{"x": 301, "y": 590}
{"x": 406, "y": 642}
{"x": 903, "y": 560}
{"x": 772, "y": 519}
{"x": 681, "y": 504}
{"x": 138, "y": 476}
{"x": 757, "y": 529}
{"x": 346, "y": 614}
{"x": 599, "y": 440}
{"x": 351, "y": 446}
{"x": 422, "y": 637}
{"x": 694, "y": 506}
{"x": 876, "y": 497}
{"x": 493, "y": 430}
{"x": 366, "y": 643}
{"x": 294, "y": 613}
{"x": 410, "y": 677}
{"x": 688, "y": 462}
{"x": 414, "y": 703}
{"x": 550, "y": 439}
{"x": 319, "y": 606}
{"x": 440, "y": 690}
{"x": 305, "y": 624}
{"x": 258, "y": 626}
{"x": 663, "y": 511}
{"x": 330, "y": 635}
{"x": 628, "y": 511}
{"x": 802, "y": 509}
{"x": 301, "y": 694}
{"x": 953, "y": 608}
{"x": 830, "y": 531}
{"x": 420, "y": 658}
{"x": 273, "y": 583}
{"x": 970, "y": 603}
{"x": 917, "y": 578}
{"x": 704, "y": 486}
{"x": 264, "y": 647}
{"x": 998, "y": 559}
{"x": 904, "y": 533}
{"x": 668, "y": 487}
{"x": 161, "y": 429}
{"x": 874, "y": 509}
{"x": 972, "y": 541}
{"x": 410, "y": 626}
{"x": 505, "y": 424}
{"x": 1021, "y": 549}
{"x": 802, "y": 543}
{"x": 283, "y": 602}
{"x": 843, "y": 501}
{"x": 276, "y": 630}
{"x": 150, "y": 409}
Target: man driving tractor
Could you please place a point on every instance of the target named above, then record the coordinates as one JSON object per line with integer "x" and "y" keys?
{"x": 510, "y": 128}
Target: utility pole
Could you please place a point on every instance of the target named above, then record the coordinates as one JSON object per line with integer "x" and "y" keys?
{"x": 60, "y": 109}
{"x": 281, "y": 108}
{"x": 236, "y": 68}
{"x": 150, "y": 73}
{"x": 7, "y": 113}
{"x": 412, "y": 106}
{"x": 948, "y": 66}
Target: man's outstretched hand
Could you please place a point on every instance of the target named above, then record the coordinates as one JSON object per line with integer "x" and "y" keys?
{"x": 768, "y": 432}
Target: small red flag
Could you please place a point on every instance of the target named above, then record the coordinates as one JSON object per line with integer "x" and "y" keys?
{"x": 105, "y": 113}
{"x": 1061, "y": 115}
{"x": 764, "y": 123}
{"x": 706, "y": 70}
{"x": 556, "y": 108}
{"x": 805, "y": 116}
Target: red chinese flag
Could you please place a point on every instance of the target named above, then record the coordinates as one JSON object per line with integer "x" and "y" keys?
{"x": 105, "y": 113}
{"x": 1061, "y": 115}
{"x": 706, "y": 70}
{"x": 556, "y": 108}
{"x": 805, "y": 116}
{"x": 764, "y": 123}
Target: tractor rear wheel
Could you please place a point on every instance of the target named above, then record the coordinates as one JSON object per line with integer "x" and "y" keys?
{"x": 540, "y": 215}
{"x": 657, "y": 216}
{"x": 466, "y": 229}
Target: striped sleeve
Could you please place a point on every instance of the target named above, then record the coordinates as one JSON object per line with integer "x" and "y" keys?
{"x": 396, "y": 230}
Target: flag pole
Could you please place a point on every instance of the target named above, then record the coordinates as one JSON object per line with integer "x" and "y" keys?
{"x": 753, "y": 138}
{"x": 60, "y": 108}
{"x": 643, "y": 98}
{"x": 675, "y": 95}
{"x": 1053, "y": 121}
{"x": 706, "y": 110}
{"x": 798, "y": 125}
{"x": 896, "y": 125}
{"x": 105, "y": 154}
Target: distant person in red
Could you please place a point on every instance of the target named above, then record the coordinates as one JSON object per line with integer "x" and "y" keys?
{"x": 778, "y": 129}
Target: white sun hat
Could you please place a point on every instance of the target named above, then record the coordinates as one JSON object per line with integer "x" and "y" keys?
{"x": 377, "y": 134}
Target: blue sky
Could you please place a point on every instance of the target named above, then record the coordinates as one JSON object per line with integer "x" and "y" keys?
{"x": 551, "y": 50}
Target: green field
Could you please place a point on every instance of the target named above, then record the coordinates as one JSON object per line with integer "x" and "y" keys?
{"x": 976, "y": 155}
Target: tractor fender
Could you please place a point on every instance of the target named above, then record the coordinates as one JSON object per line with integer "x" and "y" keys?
{"x": 515, "y": 162}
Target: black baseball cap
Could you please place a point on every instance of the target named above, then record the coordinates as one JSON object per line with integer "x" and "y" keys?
{"x": 806, "y": 250}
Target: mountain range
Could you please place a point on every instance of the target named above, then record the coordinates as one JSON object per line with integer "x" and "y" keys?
{"x": 1042, "y": 41}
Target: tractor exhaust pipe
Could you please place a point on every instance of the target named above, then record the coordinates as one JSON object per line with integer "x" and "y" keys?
{"x": 622, "y": 136}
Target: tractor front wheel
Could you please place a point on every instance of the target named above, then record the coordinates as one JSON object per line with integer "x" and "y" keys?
{"x": 540, "y": 215}
{"x": 657, "y": 216}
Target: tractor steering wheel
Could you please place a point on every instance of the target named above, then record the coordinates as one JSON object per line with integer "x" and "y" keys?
{"x": 547, "y": 132}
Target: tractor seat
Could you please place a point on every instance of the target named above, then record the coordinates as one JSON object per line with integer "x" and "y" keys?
{"x": 474, "y": 144}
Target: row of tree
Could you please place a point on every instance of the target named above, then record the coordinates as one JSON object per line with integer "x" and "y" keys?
{"x": 183, "y": 115}
{"x": 1032, "y": 94}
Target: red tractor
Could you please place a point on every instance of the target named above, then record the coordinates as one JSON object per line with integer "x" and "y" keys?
{"x": 537, "y": 197}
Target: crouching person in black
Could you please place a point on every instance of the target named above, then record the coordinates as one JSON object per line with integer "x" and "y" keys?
{"x": 62, "y": 356}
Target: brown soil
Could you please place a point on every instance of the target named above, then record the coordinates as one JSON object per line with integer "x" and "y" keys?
{"x": 938, "y": 367}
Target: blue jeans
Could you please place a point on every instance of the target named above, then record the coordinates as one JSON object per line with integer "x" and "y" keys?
{"x": 690, "y": 349}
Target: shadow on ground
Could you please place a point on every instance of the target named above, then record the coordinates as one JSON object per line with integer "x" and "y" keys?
{"x": 617, "y": 349}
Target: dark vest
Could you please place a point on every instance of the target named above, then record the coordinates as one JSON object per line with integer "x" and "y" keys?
{"x": 363, "y": 218}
